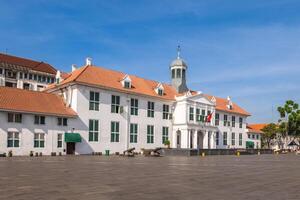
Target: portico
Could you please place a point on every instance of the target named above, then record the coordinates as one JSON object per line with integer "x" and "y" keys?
{"x": 195, "y": 137}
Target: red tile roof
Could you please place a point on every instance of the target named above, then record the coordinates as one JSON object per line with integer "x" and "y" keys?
{"x": 221, "y": 104}
{"x": 102, "y": 77}
{"x": 256, "y": 128}
{"x": 64, "y": 75}
{"x": 27, "y": 63}
{"x": 18, "y": 100}
{"x": 106, "y": 78}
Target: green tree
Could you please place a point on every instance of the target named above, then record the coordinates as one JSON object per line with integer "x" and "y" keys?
{"x": 289, "y": 121}
{"x": 269, "y": 134}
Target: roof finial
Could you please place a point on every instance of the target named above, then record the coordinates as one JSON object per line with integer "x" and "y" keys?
{"x": 178, "y": 51}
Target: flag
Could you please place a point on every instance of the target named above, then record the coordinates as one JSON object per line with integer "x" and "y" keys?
{"x": 209, "y": 117}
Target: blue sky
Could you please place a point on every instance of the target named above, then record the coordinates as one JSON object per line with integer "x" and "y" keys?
{"x": 249, "y": 50}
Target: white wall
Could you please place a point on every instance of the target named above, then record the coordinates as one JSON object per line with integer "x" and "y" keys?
{"x": 253, "y": 138}
{"x": 229, "y": 129}
{"x": 26, "y": 131}
{"x": 104, "y": 115}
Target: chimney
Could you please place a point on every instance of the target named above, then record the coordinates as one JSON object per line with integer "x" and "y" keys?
{"x": 88, "y": 61}
{"x": 73, "y": 67}
{"x": 228, "y": 98}
{"x": 58, "y": 77}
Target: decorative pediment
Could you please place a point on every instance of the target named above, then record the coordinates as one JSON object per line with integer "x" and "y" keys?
{"x": 200, "y": 98}
{"x": 188, "y": 94}
{"x": 213, "y": 99}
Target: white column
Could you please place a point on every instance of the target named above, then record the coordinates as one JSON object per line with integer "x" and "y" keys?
{"x": 213, "y": 140}
{"x": 188, "y": 138}
{"x": 128, "y": 123}
{"x": 184, "y": 138}
{"x": 205, "y": 137}
{"x": 195, "y": 139}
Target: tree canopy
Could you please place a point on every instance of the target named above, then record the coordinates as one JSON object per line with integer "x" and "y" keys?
{"x": 289, "y": 123}
{"x": 270, "y": 131}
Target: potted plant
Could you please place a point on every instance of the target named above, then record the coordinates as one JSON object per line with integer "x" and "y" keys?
{"x": 167, "y": 143}
{"x": 10, "y": 153}
{"x": 31, "y": 154}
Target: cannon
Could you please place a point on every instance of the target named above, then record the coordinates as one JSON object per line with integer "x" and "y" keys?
{"x": 129, "y": 152}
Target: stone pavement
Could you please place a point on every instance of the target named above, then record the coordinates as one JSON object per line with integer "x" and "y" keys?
{"x": 99, "y": 177}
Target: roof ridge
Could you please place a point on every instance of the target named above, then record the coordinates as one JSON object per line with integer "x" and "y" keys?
{"x": 84, "y": 68}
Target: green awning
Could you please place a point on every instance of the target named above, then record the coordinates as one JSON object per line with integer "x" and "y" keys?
{"x": 249, "y": 144}
{"x": 72, "y": 137}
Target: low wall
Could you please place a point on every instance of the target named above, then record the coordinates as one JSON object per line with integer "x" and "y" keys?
{"x": 195, "y": 152}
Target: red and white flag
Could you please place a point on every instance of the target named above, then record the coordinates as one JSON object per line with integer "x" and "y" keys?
{"x": 209, "y": 117}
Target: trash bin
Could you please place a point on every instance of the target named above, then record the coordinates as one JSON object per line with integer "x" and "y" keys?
{"x": 107, "y": 152}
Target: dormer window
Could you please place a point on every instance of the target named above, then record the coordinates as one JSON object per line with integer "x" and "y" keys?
{"x": 159, "y": 89}
{"x": 229, "y": 103}
{"x": 160, "y": 92}
{"x": 126, "y": 82}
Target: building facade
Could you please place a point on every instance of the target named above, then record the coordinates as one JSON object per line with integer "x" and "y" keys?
{"x": 115, "y": 111}
{"x": 25, "y": 73}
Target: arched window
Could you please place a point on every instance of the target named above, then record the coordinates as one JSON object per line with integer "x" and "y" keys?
{"x": 178, "y": 73}
{"x": 173, "y": 73}
{"x": 183, "y": 73}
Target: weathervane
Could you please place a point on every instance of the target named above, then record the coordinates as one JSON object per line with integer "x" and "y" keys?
{"x": 178, "y": 51}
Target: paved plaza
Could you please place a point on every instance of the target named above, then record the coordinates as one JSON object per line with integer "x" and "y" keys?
{"x": 99, "y": 177}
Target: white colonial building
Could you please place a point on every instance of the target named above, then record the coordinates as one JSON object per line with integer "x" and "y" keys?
{"x": 110, "y": 110}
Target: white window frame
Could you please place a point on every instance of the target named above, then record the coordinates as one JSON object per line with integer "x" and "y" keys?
{"x": 133, "y": 133}
{"x": 39, "y": 139}
{"x": 150, "y": 109}
{"x": 93, "y": 130}
{"x": 217, "y": 138}
{"x": 233, "y": 138}
{"x": 38, "y": 119}
{"x": 15, "y": 118}
{"x": 225, "y": 138}
{"x": 191, "y": 113}
{"x": 240, "y": 139}
{"x": 150, "y": 134}
{"x": 115, "y": 134}
{"x": 217, "y": 119}
{"x": 166, "y": 111}
{"x": 94, "y": 103}
{"x": 115, "y": 103}
{"x": 134, "y": 106}
{"x": 59, "y": 140}
{"x": 165, "y": 134}
{"x": 15, "y": 138}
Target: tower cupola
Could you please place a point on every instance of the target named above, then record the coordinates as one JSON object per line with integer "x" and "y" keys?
{"x": 178, "y": 69}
